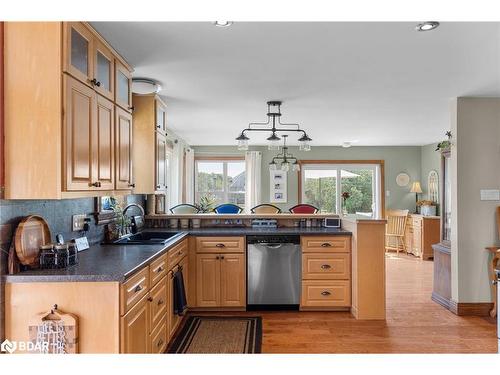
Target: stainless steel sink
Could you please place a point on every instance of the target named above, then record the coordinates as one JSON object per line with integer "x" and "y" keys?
{"x": 145, "y": 238}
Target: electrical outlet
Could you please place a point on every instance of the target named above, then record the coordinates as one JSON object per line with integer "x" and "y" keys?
{"x": 78, "y": 221}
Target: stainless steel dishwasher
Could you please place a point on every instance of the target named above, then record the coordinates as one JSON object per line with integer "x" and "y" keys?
{"x": 274, "y": 271}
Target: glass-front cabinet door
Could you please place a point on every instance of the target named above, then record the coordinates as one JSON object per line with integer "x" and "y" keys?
{"x": 161, "y": 117}
{"x": 103, "y": 71}
{"x": 79, "y": 51}
{"x": 123, "y": 84}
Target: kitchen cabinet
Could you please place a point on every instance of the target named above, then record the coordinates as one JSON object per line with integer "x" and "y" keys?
{"x": 134, "y": 336}
{"x": 123, "y": 86}
{"x": 220, "y": 276}
{"x": 326, "y": 272}
{"x": 123, "y": 149}
{"x": 151, "y": 145}
{"x": 77, "y": 112}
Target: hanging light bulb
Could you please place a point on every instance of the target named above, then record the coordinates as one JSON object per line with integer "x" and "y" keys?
{"x": 296, "y": 167}
{"x": 242, "y": 142}
{"x": 274, "y": 140}
{"x": 305, "y": 143}
{"x": 272, "y": 166}
{"x": 285, "y": 166}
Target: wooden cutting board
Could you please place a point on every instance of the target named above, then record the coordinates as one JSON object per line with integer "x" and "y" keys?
{"x": 32, "y": 232}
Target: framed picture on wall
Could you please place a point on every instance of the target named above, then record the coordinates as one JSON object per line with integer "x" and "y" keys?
{"x": 278, "y": 187}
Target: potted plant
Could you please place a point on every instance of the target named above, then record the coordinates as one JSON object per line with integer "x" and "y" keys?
{"x": 206, "y": 203}
{"x": 345, "y": 197}
{"x": 444, "y": 145}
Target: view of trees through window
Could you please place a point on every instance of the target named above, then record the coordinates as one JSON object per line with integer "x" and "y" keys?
{"x": 339, "y": 190}
{"x": 224, "y": 181}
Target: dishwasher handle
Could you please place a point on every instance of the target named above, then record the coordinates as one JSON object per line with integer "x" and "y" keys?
{"x": 272, "y": 245}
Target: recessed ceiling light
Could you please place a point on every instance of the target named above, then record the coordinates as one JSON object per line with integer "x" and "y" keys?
{"x": 145, "y": 86}
{"x": 223, "y": 23}
{"x": 427, "y": 26}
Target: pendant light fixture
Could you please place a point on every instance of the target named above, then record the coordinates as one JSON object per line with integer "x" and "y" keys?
{"x": 286, "y": 160}
{"x": 277, "y": 127}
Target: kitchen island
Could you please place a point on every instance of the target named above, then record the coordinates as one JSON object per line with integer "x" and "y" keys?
{"x": 123, "y": 294}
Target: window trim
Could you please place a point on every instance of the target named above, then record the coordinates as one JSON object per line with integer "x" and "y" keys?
{"x": 380, "y": 163}
{"x": 222, "y": 159}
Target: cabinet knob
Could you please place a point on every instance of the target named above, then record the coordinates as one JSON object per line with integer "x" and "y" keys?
{"x": 325, "y": 293}
{"x": 217, "y": 257}
{"x": 95, "y": 82}
{"x": 160, "y": 343}
{"x": 132, "y": 108}
{"x": 131, "y": 185}
{"x": 158, "y": 186}
{"x": 160, "y": 301}
{"x": 222, "y": 257}
{"x": 150, "y": 299}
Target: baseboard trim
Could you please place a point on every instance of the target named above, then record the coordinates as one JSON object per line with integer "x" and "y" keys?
{"x": 445, "y": 302}
{"x": 471, "y": 308}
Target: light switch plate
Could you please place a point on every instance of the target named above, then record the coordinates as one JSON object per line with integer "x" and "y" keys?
{"x": 78, "y": 221}
{"x": 81, "y": 243}
{"x": 490, "y": 195}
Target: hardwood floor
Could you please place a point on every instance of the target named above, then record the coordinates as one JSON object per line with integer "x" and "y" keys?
{"x": 414, "y": 323}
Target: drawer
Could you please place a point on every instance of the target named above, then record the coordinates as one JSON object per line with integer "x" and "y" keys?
{"x": 325, "y": 244}
{"x": 326, "y": 266}
{"x": 134, "y": 289}
{"x": 176, "y": 253}
{"x": 326, "y": 293}
{"x": 158, "y": 302}
{"x": 220, "y": 245}
{"x": 417, "y": 221}
{"x": 159, "y": 338}
{"x": 158, "y": 269}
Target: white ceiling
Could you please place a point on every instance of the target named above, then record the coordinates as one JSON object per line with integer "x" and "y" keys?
{"x": 377, "y": 83}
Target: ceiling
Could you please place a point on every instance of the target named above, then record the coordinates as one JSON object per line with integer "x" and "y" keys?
{"x": 375, "y": 83}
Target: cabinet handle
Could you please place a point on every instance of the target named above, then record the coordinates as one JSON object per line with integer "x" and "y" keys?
{"x": 222, "y": 257}
{"x": 131, "y": 185}
{"x": 326, "y": 266}
{"x": 132, "y": 108}
{"x": 95, "y": 82}
{"x": 159, "y": 269}
{"x": 160, "y": 301}
{"x": 325, "y": 293}
{"x": 217, "y": 257}
{"x": 138, "y": 288}
{"x": 160, "y": 343}
{"x": 95, "y": 184}
{"x": 158, "y": 186}
{"x": 220, "y": 245}
{"x": 150, "y": 299}
{"x": 326, "y": 244}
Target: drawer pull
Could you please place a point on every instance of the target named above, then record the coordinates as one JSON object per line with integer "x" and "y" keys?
{"x": 138, "y": 288}
{"x": 220, "y": 245}
{"x": 160, "y": 302}
{"x": 326, "y": 244}
{"x": 180, "y": 252}
{"x": 160, "y": 343}
{"x": 325, "y": 293}
{"x": 326, "y": 266}
{"x": 160, "y": 269}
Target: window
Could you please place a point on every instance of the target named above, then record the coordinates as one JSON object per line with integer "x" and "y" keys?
{"x": 224, "y": 180}
{"x": 342, "y": 188}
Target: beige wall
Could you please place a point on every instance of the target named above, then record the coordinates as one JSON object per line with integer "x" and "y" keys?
{"x": 475, "y": 164}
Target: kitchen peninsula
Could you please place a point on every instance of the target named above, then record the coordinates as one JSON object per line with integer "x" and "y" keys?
{"x": 122, "y": 294}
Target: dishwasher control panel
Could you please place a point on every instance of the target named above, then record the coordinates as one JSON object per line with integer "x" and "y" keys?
{"x": 274, "y": 239}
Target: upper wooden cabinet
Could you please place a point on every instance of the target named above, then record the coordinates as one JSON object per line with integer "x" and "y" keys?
{"x": 123, "y": 86}
{"x": 72, "y": 141}
{"x": 151, "y": 146}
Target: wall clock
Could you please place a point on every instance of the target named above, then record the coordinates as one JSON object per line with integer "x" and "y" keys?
{"x": 402, "y": 179}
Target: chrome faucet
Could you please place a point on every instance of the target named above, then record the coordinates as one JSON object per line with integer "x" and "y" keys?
{"x": 133, "y": 226}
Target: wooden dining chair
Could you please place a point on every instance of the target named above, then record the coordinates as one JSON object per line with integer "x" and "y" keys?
{"x": 265, "y": 208}
{"x": 395, "y": 231}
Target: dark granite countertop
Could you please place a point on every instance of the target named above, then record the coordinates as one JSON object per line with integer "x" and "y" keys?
{"x": 105, "y": 262}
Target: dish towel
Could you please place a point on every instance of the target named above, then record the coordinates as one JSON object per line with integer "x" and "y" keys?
{"x": 180, "y": 303}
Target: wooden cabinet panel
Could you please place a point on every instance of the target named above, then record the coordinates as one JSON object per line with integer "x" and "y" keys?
{"x": 79, "y": 120}
{"x": 220, "y": 244}
{"x": 178, "y": 252}
{"x": 78, "y": 51}
{"x": 134, "y": 333}
{"x": 233, "y": 286}
{"x": 161, "y": 163}
{"x": 207, "y": 280}
{"x": 319, "y": 244}
{"x": 104, "y": 72}
{"x": 417, "y": 241}
{"x": 326, "y": 266}
{"x": 104, "y": 155}
{"x": 159, "y": 339}
{"x": 157, "y": 270}
{"x": 172, "y": 318}
{"x": 326, "y": 293}
{"x": 158, "y": 301}
{"x": 185, "y": 275}
{"x": 135, "y": 288}
{"x": 123, "y": 135}
{"x": 160, "y": 117}
{"x": 123, "y": 86}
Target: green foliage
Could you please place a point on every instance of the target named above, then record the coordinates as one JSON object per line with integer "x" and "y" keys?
{"x": 320, "y": 192}
{"x": 206, "y": 203}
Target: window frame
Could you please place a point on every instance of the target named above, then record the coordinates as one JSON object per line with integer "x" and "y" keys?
{"x": 215, "y": 159}
{"x": 344, "y": 164}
